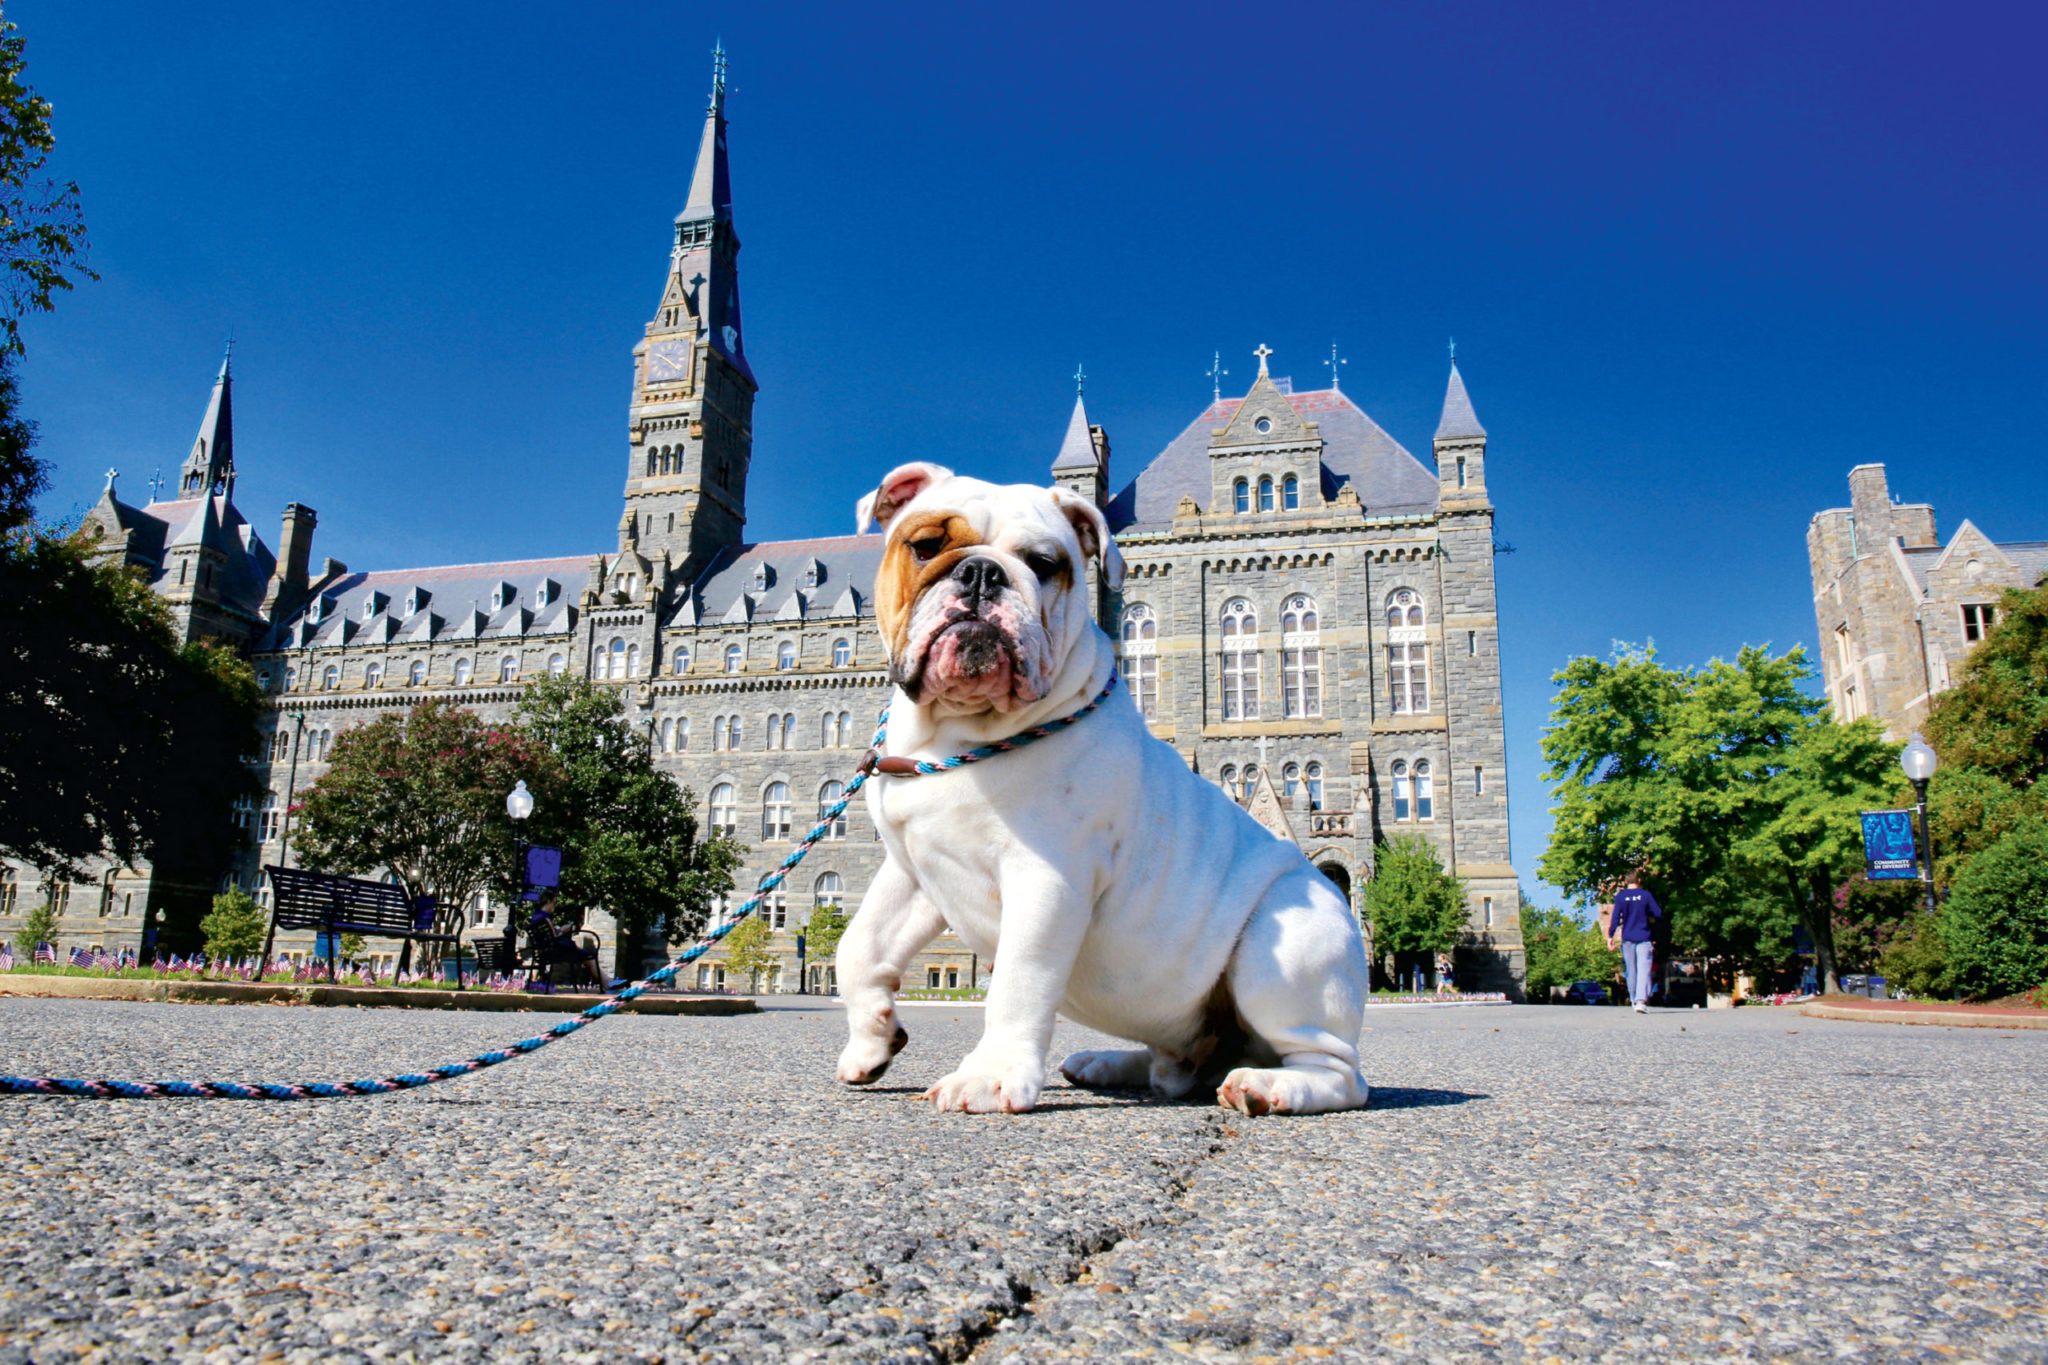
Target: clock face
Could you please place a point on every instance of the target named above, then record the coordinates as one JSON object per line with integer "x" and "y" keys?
{"x": 668, "y": 360}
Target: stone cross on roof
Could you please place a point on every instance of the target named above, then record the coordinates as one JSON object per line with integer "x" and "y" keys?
{"x": 1333, "y": 362}
{"x": 1263, "y": 351}
{"x": 1264, "y": 740}
{"x": 1216, "y": 375}
{"x": 112, "y": 474}
{"x": 1080, "y": 379}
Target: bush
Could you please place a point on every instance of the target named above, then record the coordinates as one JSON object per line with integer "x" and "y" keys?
{"x": 1562, "y": 949}
{"x": 1995, "y": 925}
{"x": 37, "y": 926}
{"x": 1915, "y": 961}
{"x": 235, "y": 927}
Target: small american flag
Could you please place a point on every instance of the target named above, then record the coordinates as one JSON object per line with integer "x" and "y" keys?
{"x": 46, "y": 953}
{"x": 6, "y": 959}
{"x": 81, "y": 957}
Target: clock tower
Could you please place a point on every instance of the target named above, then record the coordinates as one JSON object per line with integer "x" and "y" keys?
{"x": 691, "y": 433}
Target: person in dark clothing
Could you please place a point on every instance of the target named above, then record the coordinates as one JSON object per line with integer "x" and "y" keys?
{"x": 554, "y": 942}
{"x": 1629, "y": 930}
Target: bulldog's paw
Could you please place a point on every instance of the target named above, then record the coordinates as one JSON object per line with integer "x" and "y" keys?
{"x": 983, "y": 1092}
{"x": 865, "y": 1058}
{"x": 1112, "y": 1070}
{"x": 1252, "y": 1091}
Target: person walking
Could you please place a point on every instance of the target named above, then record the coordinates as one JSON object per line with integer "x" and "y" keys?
{"x": 1634, "y": 909}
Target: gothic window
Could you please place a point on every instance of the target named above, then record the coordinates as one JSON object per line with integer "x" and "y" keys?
{"x": 291, "y": 679}
{"x": 1290, "y": 494}
{"x": 1401, "y": 799}
{"x": 557, "y": 665}
{"x": 842, "y": 653}
{"x": 1228, "y": 777}
{"x": 725, "y": 811}
{"x": 1407, "y": 654}
{"x": 1241, "y": 496}
{"x": 267, "y": 819}
{"x": 680, "y": 661}
{"x": 280, "y": 746}
{"x": 1265, "y": 494}
{"x": 617, "y": 652}
{"x": 464, "y": 671}
{"x": 263, "y": 679}
{"x": 330, "y": 678}
{"x": 846, "y": 736}
{"x": 1141, "y": 657}
{"x": 1251, "y": 779}
{"x": 650, "y": 462}
{"x": 785, "y": 655}
{"x": 1312, "y": 775}
{"x": 1240, "y": 661}
{"x": 1425, "y": 790}
{"x": 1290, "y": 779}
{"x": 717, "y": 733}
{"x": 1301, "y": 658}
{"x": 732, "y": 658}
{"x": 828, "y": 892}
{"x": 1978, "y": 618}
{"x": 632, "y": 661}
{"x": 775, "y": 811}
{"x": 732, "y": 732}
{"x": 828, "y": 731}
{"x": 508, "y": 669}
{"x": 773, "y": 739}
{"x": 373, "y": 674}
{"x": 665, "y": 739}
{"x": 418, "y": 673}
{"x": 107, "y": 894}
{"x": 827, "y": 795}
{"x": 1461, "y": 471}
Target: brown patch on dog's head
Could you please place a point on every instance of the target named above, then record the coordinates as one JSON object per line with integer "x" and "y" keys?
{"x": 924, "y": 548}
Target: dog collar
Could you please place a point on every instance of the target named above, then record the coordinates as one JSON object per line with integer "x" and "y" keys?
{"x": 894, "y": 766}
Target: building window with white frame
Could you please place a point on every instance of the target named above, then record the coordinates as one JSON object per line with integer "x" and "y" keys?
{"x": 557, "y": 665}
{"x": 1978, "y": 619}
{"x": 828, "y": 795}
{"x": 508, "y": 669}
{"x": 1290, "y": 494}
{"x": 679, "y": 661}
{"x": 280, "y": 746}
{"x": 1266, "y": 493}
{"x": 1312, "y": 779}
{"x": 785, "y": 655}
{"x": 1241, "y": 496}
{"x": 373, "y": 674}
{"x": 464, "y": 671}
{"x": 842, "y": 653}
{"x": 734, "y": 656}
{"x": 1290, "y": 779}
{"x": 1407, "y": 654}
{"x": 828, "y": 892}
{"x": 1240, "y": 660}
{"x": 1402, "y": 802}
{"x": 267, "y": 819}
{"x": 775, "y": 811}
{"x": 416, "y": 676}
{"x": 632, "y": 661}
{"x": 1425, "y": 791}
{"x": 330, "y": 679}
{"x": 1228, "y": 779}
{"x": 1141, "y": 657}
{"x": 725, "y": 811}
{"x": 1301, "y": 658}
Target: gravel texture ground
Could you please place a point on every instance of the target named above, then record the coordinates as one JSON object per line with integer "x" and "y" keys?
{"x": 1529, "y": 1184}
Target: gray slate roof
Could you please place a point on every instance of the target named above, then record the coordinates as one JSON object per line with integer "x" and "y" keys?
{"x": 792, "y": 580}
{"x": 1356, "y": 451}
{"x": 455, "y": 603}
{"x": 1077, "y": 451}
{"x": 1458, "y": 419}
{"x": 214, "y": 522}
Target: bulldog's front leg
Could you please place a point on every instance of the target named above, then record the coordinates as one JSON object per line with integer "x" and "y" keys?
{"x": 1044, "y": 920}
{"x": 895, "y": 920}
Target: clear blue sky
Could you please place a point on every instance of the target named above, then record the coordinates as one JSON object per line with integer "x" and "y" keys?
{"x": 1699, "y": 262}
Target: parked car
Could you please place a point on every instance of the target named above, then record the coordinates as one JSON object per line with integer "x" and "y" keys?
{"x": 1586, "y": 993}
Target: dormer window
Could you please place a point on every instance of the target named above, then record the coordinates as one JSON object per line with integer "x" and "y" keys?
{"x": 814, "y": 574}
{"x": 764, "y": 578}
{"x": 320, "y": 610}
{"x": 416, "y": 601}
{"x": 503, "y": 595}
{"x": 374, "y": 604}
{"x": 546, "y": 592}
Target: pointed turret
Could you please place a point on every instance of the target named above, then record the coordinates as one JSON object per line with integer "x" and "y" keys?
{"x": 706, "y": 245}
{"x": 1459, "y": 421}
{"x": 711, "y": 183}
{"x": 212, "y": 461}
{"x": 1083, "y": 462}
{"x": 1460, "y": 447}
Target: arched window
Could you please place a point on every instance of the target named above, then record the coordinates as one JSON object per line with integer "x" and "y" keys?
{"x": 291, "y": 679}
{"x": 330, "y": 678}
{"x": 1407, "y": 654}
{"x": 680, "y": 660}
{"x": 827, "y": 795}
{"x": 107, "y": 893}
{"x": 464, "y": 671}
{"x": 263, "y": 678}
{"x": 775, "y": 811}
{"x": 508, "y": 669}
{"x": 828, "y": 892}
{"x": 1141, "y": 657}
{"x": 1266, "y": 493}
{"x": 733, "y": 657}
{"x": 842, "y": 653}
{"x": 1228, "y": 777}
{"x": 1240, "y": 660}
{"x": 1401, "y": 803}
{"x": 632, "y": 661}
{"x": 1290, "y": 494}
{"x": 1290, "y": 778}
{"x": 785, "y": 655}
{"x": 725, "y": 811}
{"x": 1301, "y": 658}
{"x": 373, "y": 674}
{"x": 682, "y": 733}
{"x": 1312, "y": 775}
{"x": 665, "y": 737}
{"x": 773, "y": 739}
{"x": 280, "y": 746}
{"x": 717, "y": 733}
{"x": 557, "y": 665}
{"x": 1241, "y": 496}
{"x": 1425, "y": 791}
{"x": 732, "y": 732}
{"x": 828, "y": 731}
{"x": 417, "y": 674}
{"x": 651, "y": 452}
{"x": 847, "y": 738}
{"x": 267, "y": 819}
{"x": 617, "y": 653}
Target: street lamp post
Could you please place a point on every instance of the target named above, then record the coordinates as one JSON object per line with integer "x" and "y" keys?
{"x": 1919, "y": 761}
{"x": 518, "y": 805}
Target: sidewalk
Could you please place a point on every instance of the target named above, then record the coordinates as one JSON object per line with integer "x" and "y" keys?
{"x": 1922, "y": 1012}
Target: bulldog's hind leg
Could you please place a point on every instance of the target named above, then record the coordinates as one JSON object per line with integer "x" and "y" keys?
{"x": 894, "y": 921}
{"x": 1110, "y": 1069}
{"x": 1298, "y": 980}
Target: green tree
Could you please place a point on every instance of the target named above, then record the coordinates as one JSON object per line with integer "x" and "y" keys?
{"x": 422, "y": 795}
{"x": 235, "y": 927}
{"x": 1412, "y": 903}
{"x": 628, "y": 831}
{"x": 39, "y": 925}
{"x": 1995, "y": 925}
{"x": 746, "y": 950}
{"x": 42, "y": 229}
{"x": 823, "y": 931}
{"x": 1564, "y": 947}
{"x": 1991, "y": 731}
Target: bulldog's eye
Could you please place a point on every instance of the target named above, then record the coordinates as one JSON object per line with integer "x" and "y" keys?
{"x": 927, "y": 549}
{"x": 1044, "y": 565}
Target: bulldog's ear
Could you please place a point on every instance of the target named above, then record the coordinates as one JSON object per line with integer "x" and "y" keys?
{"x": 1093, "y": 530}
{"x": 890, "y": 496}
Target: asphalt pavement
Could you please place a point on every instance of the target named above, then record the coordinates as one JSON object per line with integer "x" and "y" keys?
{"x": 1530, "y": 1183}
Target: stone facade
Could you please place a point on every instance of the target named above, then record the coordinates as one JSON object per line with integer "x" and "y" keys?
{"x": 1898, "y": 611}
{"x": 1308, "y": 609}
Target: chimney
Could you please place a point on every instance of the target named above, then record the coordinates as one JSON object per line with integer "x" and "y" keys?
{"x": 294, "y": 554}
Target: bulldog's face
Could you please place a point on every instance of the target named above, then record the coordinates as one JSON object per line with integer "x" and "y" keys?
{"x": 983, "y": 587}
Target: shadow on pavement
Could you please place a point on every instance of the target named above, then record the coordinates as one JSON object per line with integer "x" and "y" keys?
{"x": 1393, "y": 1097}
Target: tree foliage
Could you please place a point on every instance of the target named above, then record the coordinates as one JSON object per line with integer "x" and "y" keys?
{"x": 1991, "y": 731}
{"x": 235, "y": 927}
{"x": 39, "y": 925}
{"x": 822, "y": 932}
{"x": 628, "y": 830}
{"x": 746, "y": 950}
{"x": 1728, "y": 788}
{"x": 1995, "y": 925}
{"x": 423, "y": 795}
{"x": 1412, "y": 903}
{"x": 1562, "y": 948}
{"x": 42, "y": 228}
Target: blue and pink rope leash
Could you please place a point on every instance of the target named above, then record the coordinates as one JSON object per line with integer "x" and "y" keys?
{"x": 612, "y": 1004}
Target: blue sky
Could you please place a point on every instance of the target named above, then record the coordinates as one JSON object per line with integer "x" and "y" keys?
{"x": 1699, "y": 262}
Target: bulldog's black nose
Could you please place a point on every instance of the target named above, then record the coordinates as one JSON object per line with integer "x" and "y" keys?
{"x": 980, "y": 577}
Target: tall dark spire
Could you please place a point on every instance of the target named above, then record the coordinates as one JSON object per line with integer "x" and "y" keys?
{"x": 212, "y": 461}
{"x": 707, "y": 247}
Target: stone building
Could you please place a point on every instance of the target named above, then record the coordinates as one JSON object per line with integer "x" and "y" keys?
{"x": 1309, "y": 609}
{"x": 1898, "y": 610}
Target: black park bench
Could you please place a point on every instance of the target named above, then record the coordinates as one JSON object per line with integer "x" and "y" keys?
{"x": 335, "y": 906}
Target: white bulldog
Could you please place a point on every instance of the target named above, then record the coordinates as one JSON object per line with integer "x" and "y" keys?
{"x": 1103, "y": 879}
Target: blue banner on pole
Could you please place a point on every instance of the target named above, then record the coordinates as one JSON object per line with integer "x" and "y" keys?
{"x": 1888, "y": 848}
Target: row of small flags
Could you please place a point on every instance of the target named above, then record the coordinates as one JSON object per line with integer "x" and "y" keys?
{"x": 254, "y": 969}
